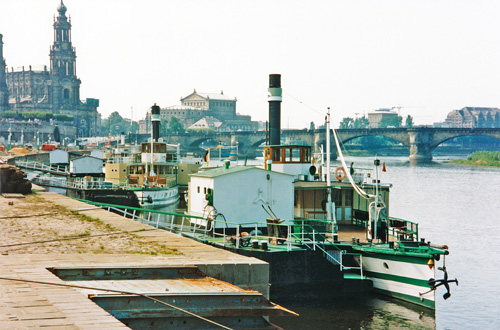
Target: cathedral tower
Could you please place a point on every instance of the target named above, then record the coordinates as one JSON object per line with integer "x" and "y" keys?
{"x": 4, "y": 90}
{"x": 65, "y": 84}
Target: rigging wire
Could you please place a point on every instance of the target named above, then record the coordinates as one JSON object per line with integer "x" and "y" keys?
{"x": 120, "y": 292}
{"x": 296, "y": 99}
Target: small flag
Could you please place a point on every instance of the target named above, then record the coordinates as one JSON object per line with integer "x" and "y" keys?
{"x": 207, "y": 156}
{"x": 383, "y": 167}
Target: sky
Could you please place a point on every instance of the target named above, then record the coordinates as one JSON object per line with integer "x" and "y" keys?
{"x": 423, "y": 57}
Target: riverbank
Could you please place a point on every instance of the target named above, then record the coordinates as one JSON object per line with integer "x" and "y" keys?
{"x": 480, "y": 158}
{"x": 60, "y": 257}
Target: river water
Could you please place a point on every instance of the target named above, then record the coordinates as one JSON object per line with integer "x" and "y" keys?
{"x": 455, "y": 205}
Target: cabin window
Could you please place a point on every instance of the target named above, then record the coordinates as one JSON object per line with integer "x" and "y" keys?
{"x": 205, "y": 190}
{"x": 295, "y": 155}
{"x": 348, "y": 198}
{"x": 198, "y": 189}
{"x": 337, "y": 197}
{"x": 307, "y": 155}
{"x": 276, "y": 154}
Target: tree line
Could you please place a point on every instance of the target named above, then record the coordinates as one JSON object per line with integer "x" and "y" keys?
{"x": 115, "y": 124}
{"x": 385, "y": 122}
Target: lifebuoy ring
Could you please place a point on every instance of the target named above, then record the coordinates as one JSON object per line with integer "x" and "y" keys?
{"x": 340, "y": 173}
{"x": 155, "y": 157}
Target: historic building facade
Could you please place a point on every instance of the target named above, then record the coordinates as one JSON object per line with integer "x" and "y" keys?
{"x": 4, "y": 90}
{"x": 213, "y": 107}
{"x": 472, "y": 117}
{"x": 56, "y": 89}
{"x": 376, "y": 116}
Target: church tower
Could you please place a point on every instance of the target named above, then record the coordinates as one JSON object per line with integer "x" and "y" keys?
{"x": 4, "y": 90}
{"x": 65, "y": 84}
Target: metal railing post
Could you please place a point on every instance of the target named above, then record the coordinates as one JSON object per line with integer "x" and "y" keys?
{"x": 361, "y": 266}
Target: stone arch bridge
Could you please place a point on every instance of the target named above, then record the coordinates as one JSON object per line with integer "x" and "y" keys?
{"x": 420, "y": 141}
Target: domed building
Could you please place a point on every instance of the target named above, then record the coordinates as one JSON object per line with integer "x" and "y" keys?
{"x": 55, "y": 89}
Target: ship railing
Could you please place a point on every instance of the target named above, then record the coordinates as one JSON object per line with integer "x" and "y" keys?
{"x": 215, "y": 231}
{"x": 42, "y": 167}
{"x": 223, "y": 233}
{"x": 89, "y": 183}
{"x": 173, "y": 222}
{"x": 51, "y": 181}
{"x": 404, "y": 230}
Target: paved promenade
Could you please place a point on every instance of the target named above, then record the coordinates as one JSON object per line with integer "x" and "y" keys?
{"x": 49, "y": 221}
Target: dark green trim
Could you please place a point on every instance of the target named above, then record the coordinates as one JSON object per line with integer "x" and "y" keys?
{"x": 391, "y": 254}
{"x": 397, "y": 278}
{"x": 415, "y": 300}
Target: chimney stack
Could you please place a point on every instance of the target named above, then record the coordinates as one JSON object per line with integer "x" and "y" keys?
{"x": 155, "y": 122}
{"x": 274, "y": 99}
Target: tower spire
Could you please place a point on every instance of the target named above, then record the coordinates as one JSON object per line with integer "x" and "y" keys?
{"x": 65, "y": 83}
{"x": 62, "y": 53}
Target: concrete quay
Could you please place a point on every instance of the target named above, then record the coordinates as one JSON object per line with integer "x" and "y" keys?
{"x": 33, "y": 244}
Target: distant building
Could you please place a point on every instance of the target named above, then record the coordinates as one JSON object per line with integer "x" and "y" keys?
{"x": 376, "y": 116}
{"x": 207, "y": 123}
{"x": 213, "y": 106}
{"x": 472, "y": 117}
{"x": 4, "y": 90}
{"x": 55, "y": 90}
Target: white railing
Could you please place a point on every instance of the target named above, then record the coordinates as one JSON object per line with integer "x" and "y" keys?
{"x": 41, "y": 167}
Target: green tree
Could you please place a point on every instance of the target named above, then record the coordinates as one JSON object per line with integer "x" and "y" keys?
{"x": 347, "y": 122}
{"x": 361, "y": 122}
{"x": 175, "y": 126}
{"x": 409, "y": 121}
{"x": 115, "y": 124}
{"x": 392, "y": 121}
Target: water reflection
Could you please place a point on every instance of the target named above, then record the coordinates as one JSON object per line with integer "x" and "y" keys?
{"x": 363, "y": 312}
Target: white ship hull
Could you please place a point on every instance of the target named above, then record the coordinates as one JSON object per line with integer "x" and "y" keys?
{"x": 157, "y": 197}
{"x": 400, "y": 278}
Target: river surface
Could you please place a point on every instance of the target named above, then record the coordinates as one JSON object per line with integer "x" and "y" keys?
{"x": 455, "y": 205}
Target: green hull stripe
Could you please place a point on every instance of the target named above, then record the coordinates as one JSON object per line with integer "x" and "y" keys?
{"x": 398, "y": 257}
{"x": 400, "y": 279}
{"x": 415, "y": 300}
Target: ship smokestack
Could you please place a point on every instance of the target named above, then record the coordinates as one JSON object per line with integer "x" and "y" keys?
{"x": 155, "y": 122}
{"x": 274, "y": 99}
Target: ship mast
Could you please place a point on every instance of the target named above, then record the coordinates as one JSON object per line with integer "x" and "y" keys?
{"x": 329, "y": 206}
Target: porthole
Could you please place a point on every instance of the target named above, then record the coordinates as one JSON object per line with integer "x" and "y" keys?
{"x": 386, "y": 265}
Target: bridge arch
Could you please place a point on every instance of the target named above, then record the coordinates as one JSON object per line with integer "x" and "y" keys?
{"x": 437, "y": 143}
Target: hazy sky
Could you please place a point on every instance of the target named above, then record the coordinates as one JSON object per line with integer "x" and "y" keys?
{"x": 427, "y": 56}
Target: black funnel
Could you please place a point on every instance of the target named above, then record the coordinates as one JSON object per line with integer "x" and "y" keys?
{"x": 274, "y": 99}
{"x": 155, "y": 122}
